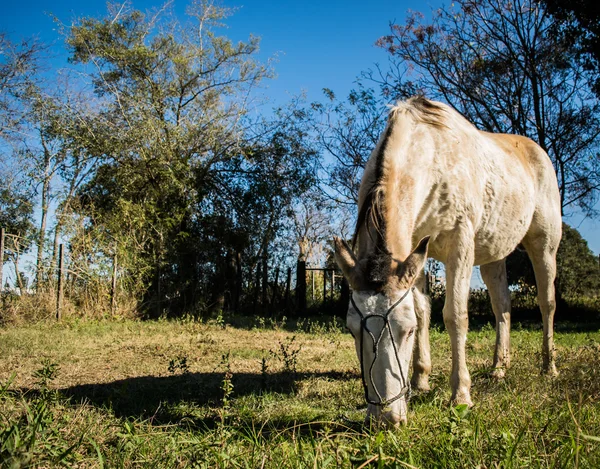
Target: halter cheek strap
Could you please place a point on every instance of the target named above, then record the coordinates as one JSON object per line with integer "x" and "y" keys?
{"x": 363, "y": 372}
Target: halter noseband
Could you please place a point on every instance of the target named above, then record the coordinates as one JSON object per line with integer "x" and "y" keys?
{"x": 386, "y": 326}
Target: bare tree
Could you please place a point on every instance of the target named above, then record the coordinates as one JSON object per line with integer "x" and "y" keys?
{"x": 313, "y": 226}
{"x": 499, "y": 63}
{"x": 347, "y": 131}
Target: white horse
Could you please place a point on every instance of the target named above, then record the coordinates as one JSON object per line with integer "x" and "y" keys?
{"x": 436, "y": 186}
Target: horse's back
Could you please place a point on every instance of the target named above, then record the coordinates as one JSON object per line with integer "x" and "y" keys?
{"x": 498, "y": 187}
{"x": 434, "y": 174}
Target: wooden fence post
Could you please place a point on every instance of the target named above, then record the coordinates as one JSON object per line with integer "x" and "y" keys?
{"x": 113, "y": 287}
{"x": 324, "y": 285}
{"x": 332, "y": 296}
{"x": 301, "y": 287}
{"x": 59, "y": 295}
{"x": 1, "y": 258}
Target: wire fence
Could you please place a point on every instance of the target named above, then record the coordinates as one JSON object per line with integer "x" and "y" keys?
{"x": 23, "y": 274}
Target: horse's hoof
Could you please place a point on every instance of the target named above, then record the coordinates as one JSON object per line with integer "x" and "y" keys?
{"x": 550, "y": 371}
{"x": 499, "y": 373}
{"x": 462, "y": 400}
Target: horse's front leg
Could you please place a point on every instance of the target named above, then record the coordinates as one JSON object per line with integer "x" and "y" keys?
{"x": 421, "y": 354}
{"x": 459, "y": 267}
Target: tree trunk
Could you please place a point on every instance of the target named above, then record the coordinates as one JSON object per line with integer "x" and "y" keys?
{"x": 19, "y": 279}
{"x": 238, "y": 282}
{"x": 61, "y": 217}
{"x": 265, "y": 282}
{"x": 42, "y": 233}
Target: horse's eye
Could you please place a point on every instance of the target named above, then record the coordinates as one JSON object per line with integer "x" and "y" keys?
{"x": 411, "y": 332}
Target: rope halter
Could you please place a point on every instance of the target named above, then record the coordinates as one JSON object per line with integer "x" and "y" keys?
{"x": 364, "y": 319}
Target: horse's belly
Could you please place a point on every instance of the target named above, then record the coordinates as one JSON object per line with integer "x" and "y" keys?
{"x": 496, "y": 227}
{"x": 501, "y": 230}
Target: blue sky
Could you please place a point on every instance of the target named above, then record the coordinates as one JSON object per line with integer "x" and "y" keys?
{"x": 317, "y": 43}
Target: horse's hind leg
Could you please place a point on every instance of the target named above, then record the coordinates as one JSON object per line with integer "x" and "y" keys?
{"x": 541, "y": 249}
{"x": 494, "y": 276}
{"x": 421, "y": 353}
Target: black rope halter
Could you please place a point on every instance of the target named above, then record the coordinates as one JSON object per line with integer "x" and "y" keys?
{"x": 386, "y": 326}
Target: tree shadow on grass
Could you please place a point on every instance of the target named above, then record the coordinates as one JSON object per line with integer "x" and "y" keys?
{"x": 193, "y": 399}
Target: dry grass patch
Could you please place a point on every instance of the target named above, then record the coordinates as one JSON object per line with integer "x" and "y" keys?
{"x": 189, "y": 394}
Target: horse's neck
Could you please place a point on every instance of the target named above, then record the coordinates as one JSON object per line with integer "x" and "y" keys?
{"x": 399, "y": 216}
{"x": 406, "y": 175}
{"x": 400, "y": 206}
{"x": 399, "y": 213}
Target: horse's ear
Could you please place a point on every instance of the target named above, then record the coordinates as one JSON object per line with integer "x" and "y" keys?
{"x": 409, "y": 270}
{"x": 346, "y": 260}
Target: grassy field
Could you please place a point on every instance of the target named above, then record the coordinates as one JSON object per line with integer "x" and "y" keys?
{"x": 190, "y": 394}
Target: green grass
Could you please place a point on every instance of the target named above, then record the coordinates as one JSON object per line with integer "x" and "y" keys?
{"x": 187, "y": 394}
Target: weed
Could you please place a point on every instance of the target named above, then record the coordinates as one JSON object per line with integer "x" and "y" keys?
{"x": 288, "y": 355}
{"x": 220, "y": 320}
{"x": 44, "y": 376}
{"x": 264, "y": 372}
{"x": 226, "y": 386}
{"x": 179, "y": 364}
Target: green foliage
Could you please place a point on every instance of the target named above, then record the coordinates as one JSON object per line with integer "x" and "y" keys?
{"x": 579, "y": 23}
{"x": 16, "y": 210}
{"x": 190, "y": 191}
{"x": 578, "y": 271}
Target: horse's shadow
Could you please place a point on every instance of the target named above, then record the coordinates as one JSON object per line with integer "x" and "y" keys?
{"x": 190, "y": 398}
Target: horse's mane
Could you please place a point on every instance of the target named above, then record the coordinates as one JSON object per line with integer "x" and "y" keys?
{"x": 422, "y": 110}
{"x": 372, "y": 209}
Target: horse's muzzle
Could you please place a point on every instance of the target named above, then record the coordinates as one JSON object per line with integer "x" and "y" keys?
{"x": 388, "y": 417}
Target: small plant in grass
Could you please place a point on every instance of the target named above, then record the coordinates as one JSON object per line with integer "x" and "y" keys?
{"x": 287, "y": 353}
{"x": 226, "y": 387}
{"x": 179, "y": 364}
{"x": 261, "y": 323}
{"x": 227, "y": 390}
{"x": 129, "y": 439}
{"x": 264, "y": 371}
{"x": 220, "y": 320}
{"x": 44, "y": 376}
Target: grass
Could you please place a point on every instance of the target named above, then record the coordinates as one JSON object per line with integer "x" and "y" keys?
{"x": 278, "y": 395}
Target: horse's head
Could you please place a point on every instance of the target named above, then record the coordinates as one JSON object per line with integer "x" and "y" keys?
{"x": 382, "y": 319}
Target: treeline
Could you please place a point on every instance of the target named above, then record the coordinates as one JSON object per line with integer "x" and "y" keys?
{"x": 149, "y": 149}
